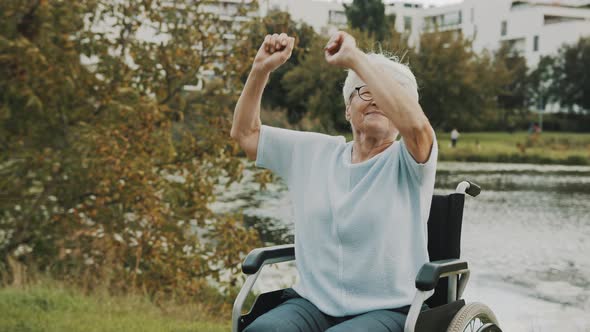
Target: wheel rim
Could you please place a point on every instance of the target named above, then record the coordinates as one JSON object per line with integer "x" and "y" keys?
{"x": 477, "y": 324}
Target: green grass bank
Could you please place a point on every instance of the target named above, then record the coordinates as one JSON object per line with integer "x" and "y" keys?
{"x": 518, "y": 147}
{"x": 52, "y": 308}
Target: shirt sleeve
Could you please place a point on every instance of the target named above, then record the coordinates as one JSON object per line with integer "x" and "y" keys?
{"x": 420, "y": 172}
{"x": 279, "y": 148}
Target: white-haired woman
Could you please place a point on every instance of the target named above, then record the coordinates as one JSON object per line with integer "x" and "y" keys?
{"x": 361, "y": 207}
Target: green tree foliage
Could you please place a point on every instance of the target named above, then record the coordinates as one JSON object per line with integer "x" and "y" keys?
{"x": 107, "y": 166}
{"x": 540, "y": 90}
{"x": 280, "y": 22}
{"x": 512, "y": 68}
{"x": 317, "y": 86}
{"x": 456, "y": 85}
{"x": 511, "y": 74}
{"x": 571, "y": 77}
{"x": 369, "y": 16}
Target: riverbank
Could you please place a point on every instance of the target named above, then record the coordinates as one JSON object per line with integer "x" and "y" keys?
{"x": 51, "y": 307}
{"x": 518, "y": 147}
{"x": 553, "y": 148}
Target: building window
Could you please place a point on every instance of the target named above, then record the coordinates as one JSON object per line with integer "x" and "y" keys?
{"x": 536, "y": 43}
{"x": 337, "y": 18}
{"x": 407, "y": 23}
{"x": 504, "y": 28}
{"x": 552, "y": 19}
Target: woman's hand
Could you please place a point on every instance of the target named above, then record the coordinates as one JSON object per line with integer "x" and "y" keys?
{"x": 274, "y": 51}
{"x": 341, "y": 50}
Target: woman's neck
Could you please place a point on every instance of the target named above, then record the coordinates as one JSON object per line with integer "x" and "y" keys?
{"x": 365, "y": 150}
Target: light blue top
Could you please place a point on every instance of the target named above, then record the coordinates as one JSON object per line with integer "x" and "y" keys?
{"x": 360, "y": 229}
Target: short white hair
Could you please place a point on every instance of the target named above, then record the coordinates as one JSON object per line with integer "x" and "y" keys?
{"x": 389, "y": 64}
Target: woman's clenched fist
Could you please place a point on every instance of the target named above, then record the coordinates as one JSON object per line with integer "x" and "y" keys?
{"x": 275, "y": 50}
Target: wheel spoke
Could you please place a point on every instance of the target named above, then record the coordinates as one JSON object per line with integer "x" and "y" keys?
{"x": 473, "y": 317}
{"x": 474, "y": 324}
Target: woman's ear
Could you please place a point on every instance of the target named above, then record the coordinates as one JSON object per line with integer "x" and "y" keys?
{"x": 347, "y": 113}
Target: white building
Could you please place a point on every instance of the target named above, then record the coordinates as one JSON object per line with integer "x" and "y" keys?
{"x": 323, "y": 16}
{"x": 530, "y": 28}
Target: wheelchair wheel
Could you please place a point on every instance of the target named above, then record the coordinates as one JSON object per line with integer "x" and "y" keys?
{"x": 474, "y": 317}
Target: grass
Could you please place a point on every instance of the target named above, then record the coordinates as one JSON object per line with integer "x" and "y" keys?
{"x": 519, "y": 147}
{"x": 54, "y": 308}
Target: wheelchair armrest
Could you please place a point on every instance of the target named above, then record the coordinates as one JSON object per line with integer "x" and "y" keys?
{"x": 269, "y": 255}
{"x": 431, "y": 272}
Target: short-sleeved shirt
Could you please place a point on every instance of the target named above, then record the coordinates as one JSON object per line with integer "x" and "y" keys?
{"x": 360, "y": 229}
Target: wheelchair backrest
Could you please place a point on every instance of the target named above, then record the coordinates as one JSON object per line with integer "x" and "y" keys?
{"x": 444, "y": 236}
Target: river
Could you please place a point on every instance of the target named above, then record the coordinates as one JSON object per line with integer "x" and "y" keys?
{"x": 526, "y": 238}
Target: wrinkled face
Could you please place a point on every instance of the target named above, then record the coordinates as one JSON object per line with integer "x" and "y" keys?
{"x": 365, "y": 116}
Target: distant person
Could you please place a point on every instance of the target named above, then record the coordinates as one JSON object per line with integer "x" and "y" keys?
{"x": 534, "y": 133}
{"x": 361, "y": 207}
{"x": 534, "y": 129}
{"x": 454, "y": 137}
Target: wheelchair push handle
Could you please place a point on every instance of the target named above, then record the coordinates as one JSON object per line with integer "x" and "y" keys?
{"x": 468, "y": 187}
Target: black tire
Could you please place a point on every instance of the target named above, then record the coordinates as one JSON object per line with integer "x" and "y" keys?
{"x": 474, "y": 317}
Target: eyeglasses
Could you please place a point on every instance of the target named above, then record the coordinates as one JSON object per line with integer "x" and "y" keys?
{"x": 363, "y": 93}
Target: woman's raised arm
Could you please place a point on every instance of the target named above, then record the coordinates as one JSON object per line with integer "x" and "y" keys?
{"x": 393, "y": 99}
{"x": 274, "y": 51}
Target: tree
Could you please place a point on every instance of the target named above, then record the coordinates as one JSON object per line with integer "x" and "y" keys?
{"x": 317, "y": 86}
{"x": 513, "y": 69}
{"x": 104, "y": 181}
{"x": 369, "y": 16}
{"x": 513, "y": 98}
{"x": 571, "y": 81}
{"x": 456, "y": 85}
{"x": 540, "y": 91}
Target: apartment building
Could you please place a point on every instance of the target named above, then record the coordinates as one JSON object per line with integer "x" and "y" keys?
{"x": 324, "y": 16}
{"x": 530, "y": 28}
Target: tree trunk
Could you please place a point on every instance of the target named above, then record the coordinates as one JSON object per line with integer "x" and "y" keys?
{"x": 17, "y": 271}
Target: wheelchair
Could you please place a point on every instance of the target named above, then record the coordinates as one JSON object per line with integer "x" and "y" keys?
{"x": 446, "y": 274}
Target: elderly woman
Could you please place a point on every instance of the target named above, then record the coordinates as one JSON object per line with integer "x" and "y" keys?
{"x": 361, "y": 207}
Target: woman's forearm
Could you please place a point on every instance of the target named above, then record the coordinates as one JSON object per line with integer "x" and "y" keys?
{"x": 392, "y": 98}
{"x": 247, "y": 112}
{"x": 398, "y": 105}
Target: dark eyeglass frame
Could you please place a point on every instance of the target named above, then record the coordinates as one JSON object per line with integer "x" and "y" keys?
{"x": 358, "y": 92}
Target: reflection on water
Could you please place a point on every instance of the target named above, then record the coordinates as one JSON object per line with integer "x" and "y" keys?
{"x": 517, "y": 177}
{"x": 528, "y": 230}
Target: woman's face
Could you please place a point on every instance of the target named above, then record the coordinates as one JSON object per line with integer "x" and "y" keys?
{"x": 365, "y": 116}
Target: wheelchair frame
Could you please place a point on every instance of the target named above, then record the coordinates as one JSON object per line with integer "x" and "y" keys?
{"x": 427, "y": 279}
